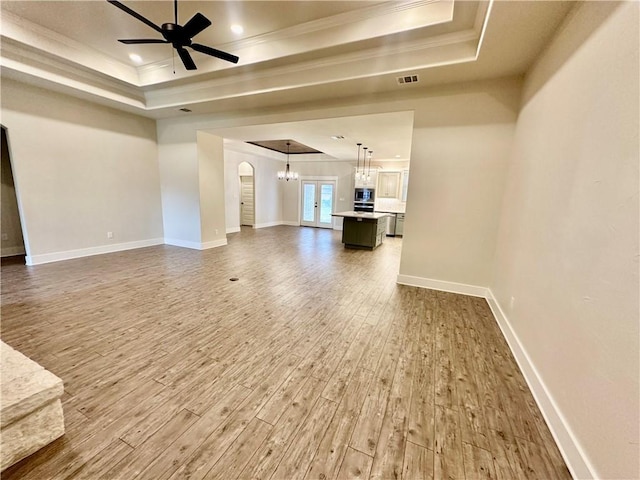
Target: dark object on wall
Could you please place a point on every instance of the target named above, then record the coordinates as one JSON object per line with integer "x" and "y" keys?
{"x": 179, "y": 36}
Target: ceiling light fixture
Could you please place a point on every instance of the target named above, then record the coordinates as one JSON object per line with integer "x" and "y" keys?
{"x": 364, "y": 162}
{"x": 358, "y": 162}
{"x": 369, "y": 170}
{"x": 135, "y": 58}
{"x": 337, "y": 137}
{"x": 287, "y": 174}
{"x": 237, "y": 29}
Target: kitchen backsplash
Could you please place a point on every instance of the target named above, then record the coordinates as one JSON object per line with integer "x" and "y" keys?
{"x": 390, "y": 204}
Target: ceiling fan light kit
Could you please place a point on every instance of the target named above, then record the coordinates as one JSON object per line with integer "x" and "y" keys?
{"x": 179, "y": 36}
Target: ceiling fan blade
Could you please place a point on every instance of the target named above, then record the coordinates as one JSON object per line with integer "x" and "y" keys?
{"x": 126, "y": 9}
{"x": 214, "y": 52}
{"x": 186, "y": 59}
{"x": 194, "y": 26}
{"x": 142, "y": 40}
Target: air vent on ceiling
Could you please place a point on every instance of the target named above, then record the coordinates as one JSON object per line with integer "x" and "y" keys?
{"x": 408, "y": 79}
{"x": 185, "y": 110}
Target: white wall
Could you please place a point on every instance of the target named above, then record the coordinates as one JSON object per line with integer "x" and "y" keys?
{"x": 81, "y": 170}
{"x": 211, "y": 185}
{"x": 568, "y": 244}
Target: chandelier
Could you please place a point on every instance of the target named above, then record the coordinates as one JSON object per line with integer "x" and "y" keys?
{"x": 287, "y": 174}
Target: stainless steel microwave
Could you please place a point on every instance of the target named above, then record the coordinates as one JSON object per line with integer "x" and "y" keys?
{"x": 365, "y": 195}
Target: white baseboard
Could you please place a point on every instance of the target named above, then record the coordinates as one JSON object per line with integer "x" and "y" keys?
{"x": 182, "y": 243}
{"x": 453, "y": 287}
{"x": 221, "y": 242}
{"x": 291, "y": 224}
{"x": 268, "y": 224}
{"x": 195, "y": 245}
{"x": 233, "y": 230}
{"x": 87, "y": 252}
{"x": 573, "y": 454}
{"x": 12, "y": 251}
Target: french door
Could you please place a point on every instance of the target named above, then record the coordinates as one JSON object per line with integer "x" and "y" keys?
{"x": 318, "y": 199}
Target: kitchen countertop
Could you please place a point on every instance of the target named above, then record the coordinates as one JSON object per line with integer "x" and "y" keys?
{"x": 388, "y": 210}
{"x": 352, "y": 214}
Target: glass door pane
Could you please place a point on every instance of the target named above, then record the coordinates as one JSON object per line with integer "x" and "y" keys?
{"x": 326, "y": 204}
{"x": 308, "y": 203}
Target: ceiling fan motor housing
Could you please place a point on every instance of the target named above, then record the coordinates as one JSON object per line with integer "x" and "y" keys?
{"x": 174, "y": 33}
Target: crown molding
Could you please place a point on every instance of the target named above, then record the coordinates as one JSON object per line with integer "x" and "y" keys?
{"x": 31, "y": 61}
{"x": 39, "y": 38}
{"x": 447, "y": 49}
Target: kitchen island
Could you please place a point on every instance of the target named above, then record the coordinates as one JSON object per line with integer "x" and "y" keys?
{"x": 363, "y": 230}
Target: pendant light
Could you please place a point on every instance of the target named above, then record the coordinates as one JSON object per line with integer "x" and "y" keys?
{"x": 358, "y": 162}
{"x": 369, "y": 170}
{"x": 364, "y": 162}
{"x": 287, "y": 174}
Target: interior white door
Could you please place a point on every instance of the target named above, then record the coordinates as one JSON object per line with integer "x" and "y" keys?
{"x": 247, "y": 204}
{"x": 318, "y": 199}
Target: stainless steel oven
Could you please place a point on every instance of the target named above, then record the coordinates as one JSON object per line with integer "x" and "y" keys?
{"x": 363, "y": 207}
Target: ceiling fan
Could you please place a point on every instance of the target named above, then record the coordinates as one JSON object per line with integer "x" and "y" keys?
{"x": 180, "y": 36}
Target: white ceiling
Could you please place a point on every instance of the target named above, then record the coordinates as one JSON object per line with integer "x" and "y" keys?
{"x": 290, "y": 52}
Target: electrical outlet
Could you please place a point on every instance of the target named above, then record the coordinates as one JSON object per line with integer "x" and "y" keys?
{"x": 512, "y": 303}
{"x": 109, "y": 234}
{"x": 216, "y": 231}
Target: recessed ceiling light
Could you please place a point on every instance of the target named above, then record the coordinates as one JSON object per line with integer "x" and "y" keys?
{"x": 337, "y": 137}
{"x": 135, "y": 57}
{"x": 397, "y": 156}
{"x": 237, "y": 29}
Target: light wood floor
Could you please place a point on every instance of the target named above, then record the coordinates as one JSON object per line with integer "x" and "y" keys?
{"x": 314, "y": 364}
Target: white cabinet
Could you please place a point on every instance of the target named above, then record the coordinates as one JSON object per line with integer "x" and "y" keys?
{"x": 369, "y": 181}
{"x": 388, "y": 184}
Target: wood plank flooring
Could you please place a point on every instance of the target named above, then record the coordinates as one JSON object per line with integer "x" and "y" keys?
{"x": 313, "y": 365}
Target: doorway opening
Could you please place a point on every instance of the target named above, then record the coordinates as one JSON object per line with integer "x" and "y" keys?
{"x": 318, "y": 198}
{"x": 247, "y": 194}
{"x": 12, "y": 238}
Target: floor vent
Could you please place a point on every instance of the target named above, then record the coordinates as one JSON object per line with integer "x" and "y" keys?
{"x": 408, "y": 79}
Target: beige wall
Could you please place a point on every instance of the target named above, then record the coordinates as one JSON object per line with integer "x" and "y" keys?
{"x": 81, "y": 170}
{"x": 211, "y": 185}
{"x": 11, "y": 229}
{"x": 459, "y": 156}
{"x": 455, "y": 191}
{"x": 568, "y": 244}
{"x": 267, "y": 188}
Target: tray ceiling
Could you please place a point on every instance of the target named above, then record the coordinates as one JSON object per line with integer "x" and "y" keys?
{"x": 290, "y": 51}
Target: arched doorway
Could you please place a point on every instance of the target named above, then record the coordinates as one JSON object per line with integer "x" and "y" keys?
{"x": 247, "y": 194}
